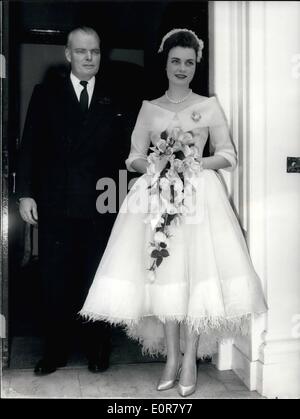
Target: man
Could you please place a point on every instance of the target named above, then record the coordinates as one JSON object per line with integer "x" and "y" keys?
{"x": 72, "y": 137}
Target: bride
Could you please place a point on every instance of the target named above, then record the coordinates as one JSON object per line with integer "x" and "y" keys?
{"x": 176, "y": 271}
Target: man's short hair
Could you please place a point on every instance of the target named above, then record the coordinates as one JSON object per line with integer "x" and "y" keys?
{"x": 86, "y": 29}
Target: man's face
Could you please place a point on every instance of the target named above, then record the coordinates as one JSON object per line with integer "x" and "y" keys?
{"x": 83, "y": 52}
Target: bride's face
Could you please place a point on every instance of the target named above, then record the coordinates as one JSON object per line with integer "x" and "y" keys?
{"x": 181, "y": 65}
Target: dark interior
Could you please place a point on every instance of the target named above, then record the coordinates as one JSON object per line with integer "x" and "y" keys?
{"x": 130, "y": 31}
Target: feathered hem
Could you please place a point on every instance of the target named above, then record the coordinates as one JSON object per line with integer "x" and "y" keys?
{"x": 149, "y": 332}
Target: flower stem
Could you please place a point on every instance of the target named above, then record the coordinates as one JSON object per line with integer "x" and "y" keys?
{"x": 153, "y": 265}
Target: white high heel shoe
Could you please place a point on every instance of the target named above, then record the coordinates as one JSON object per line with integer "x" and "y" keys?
{"x": 167, "y": 384}
{"x": 185, "y": 391}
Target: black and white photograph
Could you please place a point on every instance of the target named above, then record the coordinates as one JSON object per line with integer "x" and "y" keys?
{"x": 150, "y": 202}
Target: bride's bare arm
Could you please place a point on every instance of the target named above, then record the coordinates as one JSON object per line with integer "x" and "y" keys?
{"x": 140, "y": 142}
{"x": 223, "y": 155}
{"x": 140, "y": 165}
{"x": 215, "y": 163}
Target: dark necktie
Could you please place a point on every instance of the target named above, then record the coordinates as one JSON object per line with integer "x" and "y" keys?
{"x": 84, "y": 97}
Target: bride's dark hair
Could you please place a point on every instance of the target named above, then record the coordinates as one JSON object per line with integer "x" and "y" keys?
{"x": 179, "y": 39}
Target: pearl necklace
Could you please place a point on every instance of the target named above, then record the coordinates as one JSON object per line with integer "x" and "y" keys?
{"x": 180, "y": 100}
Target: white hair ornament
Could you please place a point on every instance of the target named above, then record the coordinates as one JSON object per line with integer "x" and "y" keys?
{"x": 173, "y": 31}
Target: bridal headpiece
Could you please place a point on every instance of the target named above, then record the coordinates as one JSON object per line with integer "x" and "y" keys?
{"x": 173, "y": 31}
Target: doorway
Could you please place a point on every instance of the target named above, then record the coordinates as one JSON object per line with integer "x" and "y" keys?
{"x": 37, "y": 33}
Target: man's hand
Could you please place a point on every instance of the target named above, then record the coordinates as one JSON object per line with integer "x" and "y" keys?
{"x": 28, "y": 210}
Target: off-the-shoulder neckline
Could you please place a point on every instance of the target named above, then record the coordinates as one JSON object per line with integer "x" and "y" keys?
{"x": 182, "y": 110}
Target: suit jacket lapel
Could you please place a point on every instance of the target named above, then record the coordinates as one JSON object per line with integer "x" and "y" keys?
{"x": 71, "y": 105}
{"x": 69, "y": 114}
{"x": 99, "y": 110}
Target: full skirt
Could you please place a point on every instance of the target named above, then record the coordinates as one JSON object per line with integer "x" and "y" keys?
{"x": 207, "y": 283}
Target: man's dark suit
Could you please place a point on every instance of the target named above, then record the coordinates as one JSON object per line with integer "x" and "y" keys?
{"x": 63, "y": 154}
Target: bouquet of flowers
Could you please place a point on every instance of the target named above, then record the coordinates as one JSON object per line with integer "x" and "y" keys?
{"x": 179, "y": 157}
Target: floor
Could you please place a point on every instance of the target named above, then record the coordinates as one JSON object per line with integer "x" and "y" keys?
{"x": 133, "y": 381}
{"x": 130, "y": 375}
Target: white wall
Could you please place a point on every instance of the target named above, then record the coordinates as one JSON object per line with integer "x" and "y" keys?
{"x": 279, "y": 368}
{"x": 255, "y": 69}
{"x": 282, "y": 140}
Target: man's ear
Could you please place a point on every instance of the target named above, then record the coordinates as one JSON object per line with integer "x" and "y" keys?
{"x": 68, "y": 54}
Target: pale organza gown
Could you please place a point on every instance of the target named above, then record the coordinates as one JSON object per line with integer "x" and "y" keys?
{"x": 208, "y": 281}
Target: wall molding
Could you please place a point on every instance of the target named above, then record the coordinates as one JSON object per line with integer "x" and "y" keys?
{"x": 235, "y": 78}
{"x": 244, "y": 368}
{"x": 274, "y": 350}
{"x": 278, "y": 369}
{"x": 276, "y": 373}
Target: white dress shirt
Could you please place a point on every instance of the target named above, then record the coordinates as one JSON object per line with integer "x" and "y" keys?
{"x": 78, "y": 87}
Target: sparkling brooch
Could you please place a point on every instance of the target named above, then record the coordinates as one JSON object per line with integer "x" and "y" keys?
{"x": 196, "y": 116}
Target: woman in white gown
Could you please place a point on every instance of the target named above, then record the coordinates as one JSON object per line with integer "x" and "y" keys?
{"x": 182, "y": 287}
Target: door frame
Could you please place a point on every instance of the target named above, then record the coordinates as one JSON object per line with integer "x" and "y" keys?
{"x": 4, "y": 36}
{"x": 235, "y": 29}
